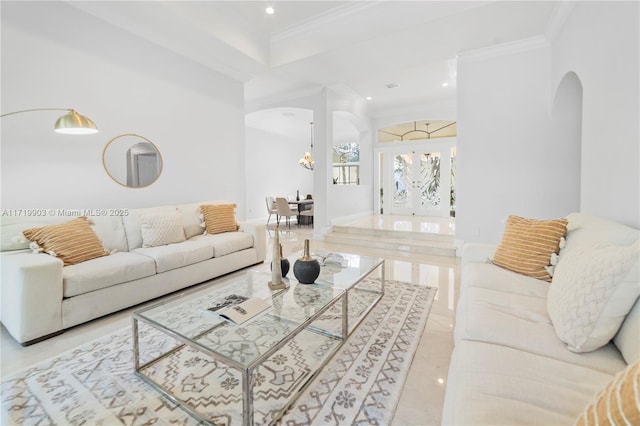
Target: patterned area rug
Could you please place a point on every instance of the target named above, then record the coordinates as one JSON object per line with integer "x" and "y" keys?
{"x": 95, "y": 383}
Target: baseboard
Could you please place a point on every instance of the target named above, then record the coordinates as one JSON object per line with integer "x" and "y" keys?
{"x": 40, "y": 339}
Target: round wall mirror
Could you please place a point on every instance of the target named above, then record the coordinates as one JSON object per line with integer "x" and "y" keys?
{"x": 132, "y": 160}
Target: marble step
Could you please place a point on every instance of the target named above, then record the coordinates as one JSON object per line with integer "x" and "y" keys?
{"x": 391, "y": 255}
{"x": 435, "y": 234}
{"x": 398, "y": 241}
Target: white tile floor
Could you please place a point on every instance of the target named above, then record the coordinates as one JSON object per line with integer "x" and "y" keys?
{"x": 422, "y": 397}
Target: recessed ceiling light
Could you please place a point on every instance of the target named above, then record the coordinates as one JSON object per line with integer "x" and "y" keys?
{"x": 270, "y": 10}
{"x": 445, "y": 84}
{"x": 392, "y": 85}
{"x": 368, "y": 98}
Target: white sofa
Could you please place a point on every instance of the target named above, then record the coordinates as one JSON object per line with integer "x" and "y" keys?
{"x": 40, "y": 297}
{"x": 508, "y": 366}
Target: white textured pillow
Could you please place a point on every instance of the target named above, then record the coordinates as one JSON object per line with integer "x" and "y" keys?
{"x": 593, "y": 288}
{"x": 159, "y": 229}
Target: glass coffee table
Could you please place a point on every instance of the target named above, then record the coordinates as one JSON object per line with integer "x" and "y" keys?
{"x": 223, "y": 373}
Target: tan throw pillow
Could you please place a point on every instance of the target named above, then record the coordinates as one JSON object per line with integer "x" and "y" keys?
{"x": 219, "y": 218}
{"x": 530, "y": 246}
{"x": 72, "y": 242}
{"x": 618, "y": 403}
{"x": 160, "y": 229}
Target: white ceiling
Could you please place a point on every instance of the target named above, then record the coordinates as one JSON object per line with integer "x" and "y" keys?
{"x": 362, "y": 45}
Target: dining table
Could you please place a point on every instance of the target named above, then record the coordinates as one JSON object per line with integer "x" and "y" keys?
{"x": 305, "y": 204}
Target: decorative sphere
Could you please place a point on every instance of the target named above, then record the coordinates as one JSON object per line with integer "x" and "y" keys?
{"x": 306, "y": 271}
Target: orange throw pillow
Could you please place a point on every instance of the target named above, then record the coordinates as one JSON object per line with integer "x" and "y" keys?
{"x": 72, "y": 242}
{"x": 527, "y": 246}
{"x": 618, "y": 403}
{"x": 219, "y": 218}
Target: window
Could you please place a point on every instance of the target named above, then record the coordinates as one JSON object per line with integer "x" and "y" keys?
{"x": 346, "y": 164}
{"x": 346, "y": 174}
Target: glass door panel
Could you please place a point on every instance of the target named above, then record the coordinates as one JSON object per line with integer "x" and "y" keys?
{"x": 420, "y": 184}
{"x": 430, "y": 181}
{"x": 402, "y": 185}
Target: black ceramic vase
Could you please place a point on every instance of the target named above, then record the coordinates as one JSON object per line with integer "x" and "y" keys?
{"x": 284, "y": 264}
{"x": 306, "y": 269}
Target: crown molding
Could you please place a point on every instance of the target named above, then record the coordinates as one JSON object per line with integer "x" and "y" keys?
{"x": 503, "y": 49}
{"x": 558, "y": 18}
{"x": 323, "y": 20}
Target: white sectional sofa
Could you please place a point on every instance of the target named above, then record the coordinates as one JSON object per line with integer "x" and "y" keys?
{"x": 40, "y": 297}
{"x": 509, "y": 366}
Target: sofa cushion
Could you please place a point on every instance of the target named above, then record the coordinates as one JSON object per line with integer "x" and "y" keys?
{"x": 487, "y": 275}
{"x": 174, "y": 256}
{"x": 191, "y": 219}
{"x": 628, "y": 338}
{"x": 159, "y": 229}
{"x": 133, "y": 225}
{"x": 587, "y": 230}
{"x": 618, "y": 403}
{"x": 528, "y": 246}
{"x": 521, "y": 322}
{"x": 105, "y": 272}
{"x": 72, "y": 242}
{"x": 593, "y": 290}
{"x": 493, "y": 384}
{"x": 11, "y": 227}
{"x": 228, "y": 242}
{"x": 219, "y": 218}
{"x": 111, "y": 232}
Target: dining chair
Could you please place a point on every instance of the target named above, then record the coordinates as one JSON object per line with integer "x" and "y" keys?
{"x": 284, "y": 210}
{"x": 308, "y": 213}
{"x": 271, "y": 208}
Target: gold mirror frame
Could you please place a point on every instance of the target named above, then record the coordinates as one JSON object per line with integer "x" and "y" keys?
{"x": 135, "y": 163}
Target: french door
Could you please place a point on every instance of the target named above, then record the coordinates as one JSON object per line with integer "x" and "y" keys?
{"x": 420, "y": 182}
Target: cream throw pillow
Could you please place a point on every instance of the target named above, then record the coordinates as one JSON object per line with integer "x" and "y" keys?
{"x": 593, "y": 289}
{"x": 219, "y": 218}
{"x": 530, "y": 246}
{"x": 618, "y": 403}
{"x": 72, "y": 242}
{"x": 160, "y": 229}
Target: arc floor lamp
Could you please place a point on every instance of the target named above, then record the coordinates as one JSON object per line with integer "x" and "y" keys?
{"x": 71, "y": 123}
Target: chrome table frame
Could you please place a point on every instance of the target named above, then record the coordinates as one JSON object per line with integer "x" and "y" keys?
{"x": 247, "y": 370}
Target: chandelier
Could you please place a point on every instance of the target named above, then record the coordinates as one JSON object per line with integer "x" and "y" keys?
{"x": 307, "y": 160}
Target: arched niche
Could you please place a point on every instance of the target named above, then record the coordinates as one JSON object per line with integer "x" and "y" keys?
{"x": 566, "y": 118}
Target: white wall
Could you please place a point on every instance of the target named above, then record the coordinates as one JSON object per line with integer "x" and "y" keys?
{"x": 515, "y": 156}
{"x": 600, "y": 44}
{"x": 273, "y": 170}
{"x": 508, "y": 161}
{"x": 54, "y": 55}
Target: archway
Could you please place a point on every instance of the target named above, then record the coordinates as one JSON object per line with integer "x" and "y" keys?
{"x": 276, "y": 138}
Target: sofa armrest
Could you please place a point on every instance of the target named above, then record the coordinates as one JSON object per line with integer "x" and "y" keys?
{"x": 31, "y": 295}
{"x": 258, "y": 231}
{"x": 477, "y": 253}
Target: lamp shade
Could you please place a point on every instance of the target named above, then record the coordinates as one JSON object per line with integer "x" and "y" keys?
{"x": 73, "y": 123}
{"x": 307, "y": 161}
